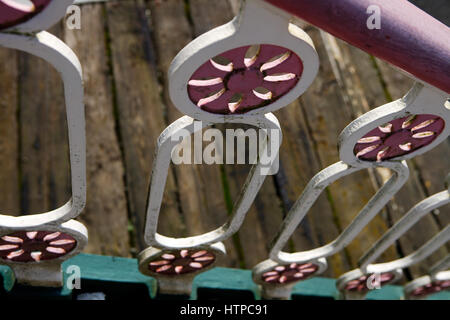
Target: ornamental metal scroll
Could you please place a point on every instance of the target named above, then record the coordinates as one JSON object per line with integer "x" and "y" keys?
{"x": 237, "y": 73}
{"x": 383, "y": 137}
{"x": 34, "y": 246}
{"x": 353, "y": 285}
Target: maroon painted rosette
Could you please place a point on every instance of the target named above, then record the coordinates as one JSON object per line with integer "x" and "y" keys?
{"x": 245, "y": 78}
{"x": 35, "y": 246}
{"x": 289, "y": 273}
{"x": 399, "y": 137}
{"x": 181, "y": 262}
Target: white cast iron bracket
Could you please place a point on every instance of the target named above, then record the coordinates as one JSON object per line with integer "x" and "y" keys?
{"x": 169, "y": 139}
{"x": 55, "y": 52}
{"x": 35, "y": 246}
{"x": 274, "y": 286}
{"x": 311, "y": 193}
{"x": 380, "y": 138}
{"x": 276, "y": 43}
{"x": 391, "y": 271}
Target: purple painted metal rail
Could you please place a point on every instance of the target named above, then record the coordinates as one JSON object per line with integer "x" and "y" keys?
{"x": 408, "y": 38}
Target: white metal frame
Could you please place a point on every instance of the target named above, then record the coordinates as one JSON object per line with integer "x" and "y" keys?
{"x": 411, "y": 218}
{"x": 165, "y": 146}
{"x": 312, "y": 192}
{"x": 59, "y": 55}
{"x": 28, "y": 38}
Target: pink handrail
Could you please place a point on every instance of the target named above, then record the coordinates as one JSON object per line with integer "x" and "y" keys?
{"x": 409, "y": 38}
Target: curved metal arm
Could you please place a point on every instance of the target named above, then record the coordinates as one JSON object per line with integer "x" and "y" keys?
{"x": 62, "y": 58}
{"x": 420, "y": 254}
{"x": 403, "y": 225}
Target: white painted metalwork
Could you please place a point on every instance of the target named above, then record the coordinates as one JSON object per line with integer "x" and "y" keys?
{"x": 369, "y": 129}
{"x": 28, "y": 38}
{"x": 257, "y": 23}
{"x": 411, "y": 218}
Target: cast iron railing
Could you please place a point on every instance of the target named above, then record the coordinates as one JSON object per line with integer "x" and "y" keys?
{"x": 240, "y": 73}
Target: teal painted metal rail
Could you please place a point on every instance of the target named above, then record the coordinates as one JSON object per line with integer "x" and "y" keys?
{"x": 120, "y": 277}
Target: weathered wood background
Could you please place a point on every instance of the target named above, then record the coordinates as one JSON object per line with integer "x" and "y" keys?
{"x": 125, "y": 48}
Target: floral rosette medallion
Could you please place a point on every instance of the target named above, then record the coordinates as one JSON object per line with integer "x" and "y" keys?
{"x": 398, "y": 130}
{"x": 35, "y": 246}
{"x": 290, "y": 273}
{"x": 181, "y": 262}
{"x": 244, "y": 79}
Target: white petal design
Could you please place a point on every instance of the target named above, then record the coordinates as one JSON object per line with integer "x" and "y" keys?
{"x": 178, "y": 269}
{"x": 280, "y": 77}
{"x": 62, "y": 242}
{"x": 164, "y": 268}
{"x": 235, "y": 102}
{"x": 270, "y": 273}
{"x": 305, "y": 266}
{"x": 406, "y": 146}
{"x": 31, "y": 235}
{"x": 293, "y": 265}
{"x": 21, "y": 5}
{"x": 387, "y": 128}
{"x": 159, "y": 263}
{"x": 211, "y": 98}
{"x": 199, "y": 254}
{"x": 299, "y": 275}
{"x": 8, "y": 247}
{"x": 381, "y": 154}
{"x": 168, "y": 256}
{"x": 422, "y": 125}
{"x": 408, "y": 121}
{"x": 251, "y": 55}
{"x": 12, "y": 239}
{"x": 422, "y": 135}
{"x": 206, "y": 82}
{"x": 283, "y": 279}
{"x": 184, "y": 253}
{"x": 55, "y": 250}
{"x": 15, "y": 254}
{"x": 366, "y": 150}
{"x": 369, "y": 139}
{"x": 275, "y": 61}
{"x": 52, "y": 236}
{"x": 195, "y": 265}
{"x": 222, "y": 64}
{"x": 269, "y": 279}
{"x": 263, "y": 93}
{"x": 280, "y": 268}
{"x": 207, "y": 258}
{"x": 36, "y": 255}
{"x": 309, "y": 270}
